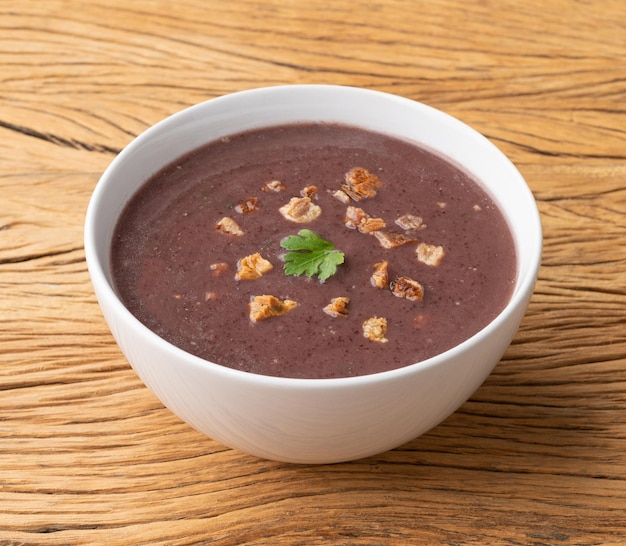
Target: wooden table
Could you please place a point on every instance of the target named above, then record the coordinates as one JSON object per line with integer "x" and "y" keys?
{"x": 89, "y": 456}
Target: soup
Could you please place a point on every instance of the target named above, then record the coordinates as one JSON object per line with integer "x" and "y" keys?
{"x": 313, "y": 250}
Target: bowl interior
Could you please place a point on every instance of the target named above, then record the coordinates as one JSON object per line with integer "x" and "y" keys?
{"x": 372, "y": 110}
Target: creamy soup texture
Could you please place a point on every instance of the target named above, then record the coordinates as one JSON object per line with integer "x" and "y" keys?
{"x": 428, "y": 259}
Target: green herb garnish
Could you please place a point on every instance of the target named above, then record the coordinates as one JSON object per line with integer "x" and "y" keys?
{"x": 313, "y": 256}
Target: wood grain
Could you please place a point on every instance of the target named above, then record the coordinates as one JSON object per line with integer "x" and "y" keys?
{"x": 536, "y": 456}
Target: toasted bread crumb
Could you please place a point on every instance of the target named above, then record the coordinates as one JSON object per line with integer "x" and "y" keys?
{"x": 430, "y": 254}
{"x": 264, "y": 307}
{"x": 341, "y": 196}
{"x": 357, "y": 218}
{"x": 360, "y": 183}
{"x": 410, "y": 222}
{"x": 228, "y": 226}
{"x": 403, "y": 287}
{"x": 273, "y": 186}
{"x": 252, "y": 267}
{"x": 338, "y": 307}
{"x": 380, "y": 276}
{"x": 300, "y": 210}
{"x": 354, "y": 217}
{"x": 218, "y": 269}
{"x": 391, "y": 239}
{"x": 309, "y": 191}
{"x": 370, "y": 225}
{"x": 248, "y": 206}
{"x": 375, "y": 329}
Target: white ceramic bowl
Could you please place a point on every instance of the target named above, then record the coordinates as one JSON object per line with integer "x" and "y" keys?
{"x": 311, "y": 420}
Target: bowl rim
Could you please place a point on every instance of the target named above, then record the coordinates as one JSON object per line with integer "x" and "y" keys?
{"x": 104, "y": 290}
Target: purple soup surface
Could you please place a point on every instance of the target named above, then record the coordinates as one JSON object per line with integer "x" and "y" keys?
{"x": 166, "y": 242}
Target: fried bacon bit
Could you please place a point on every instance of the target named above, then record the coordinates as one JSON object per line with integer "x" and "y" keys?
{"x": 309, "y": 191}
{"x": 360, "y": 183}
{"x": 341, "y": 196}
{"x": 430, "y": 254}
{"x": 338, "y": 307}
{"x": 410, "y": 222}
{"x": 300, "y": 210}
{"x": 380, "y": 276}
{"x": 403, "y": 287}
{"x": 229, "y": 226}
{"x": 264, "y": 307}
{"x": 252, "y": 267}
{"x": 218, "y": 269}
{"x": 357, "y": 218}
{"x": 248, "y": 206}
{"x": 391, "y": 239}
{"x": 274, "y": 185}
{"x": 375, "y": 329}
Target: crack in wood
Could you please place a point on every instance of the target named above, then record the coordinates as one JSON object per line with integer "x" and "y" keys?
{"x": 31, "y": 257}
{"x": 548, "y": 153}
{"x": 58, "y": 140}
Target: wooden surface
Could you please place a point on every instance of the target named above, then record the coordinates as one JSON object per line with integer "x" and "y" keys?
{"x": 89, "y": 456}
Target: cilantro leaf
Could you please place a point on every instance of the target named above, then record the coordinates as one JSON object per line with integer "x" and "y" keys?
{"x": 313, "y": 255}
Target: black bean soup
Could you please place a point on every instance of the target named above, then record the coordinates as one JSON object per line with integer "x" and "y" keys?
{"x": 428, "y": 259}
